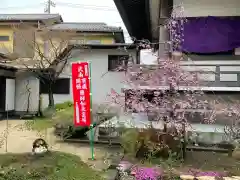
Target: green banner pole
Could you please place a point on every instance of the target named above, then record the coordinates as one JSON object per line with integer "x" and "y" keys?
{"x": 92, "y": 125}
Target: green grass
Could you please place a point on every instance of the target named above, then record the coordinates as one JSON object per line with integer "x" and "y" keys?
{"x": 40, "y": 124}
{"x": 52, "y": 165}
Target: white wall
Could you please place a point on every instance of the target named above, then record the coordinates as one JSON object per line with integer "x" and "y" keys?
{"x": 102, "y": 80}
{"x": 23, "y": 81}
{"x": 193, "y": 8}
{"x": 10, "y": 95}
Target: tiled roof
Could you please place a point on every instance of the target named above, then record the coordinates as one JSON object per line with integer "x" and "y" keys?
{"x": 92, "y": 27}
{"x": 28, "y": 17}
{"x": 23, "y": 63}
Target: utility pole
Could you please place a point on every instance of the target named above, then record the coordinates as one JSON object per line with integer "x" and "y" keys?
{"x": 48, "y": 6}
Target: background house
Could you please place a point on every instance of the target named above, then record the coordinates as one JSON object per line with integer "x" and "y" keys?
{"x": 104, "y": 61}
{"x": 17, "y": 31}
{"x": 103, "y": 47}
{"x": 16, "y": 39}
{"x": 97, "y": 43}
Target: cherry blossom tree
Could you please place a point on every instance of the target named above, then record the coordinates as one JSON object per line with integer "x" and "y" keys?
{"x": 165, "y": 91}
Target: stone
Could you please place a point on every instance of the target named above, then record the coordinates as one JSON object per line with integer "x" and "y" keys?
{"x": 39, "y": 146}
{"x": 124, "y": 166}
{"x": 40, "y": 150}
{"x": 236, "y": 177}
{"x": 229, "y": 178}
{"x": 205, "y": 178}
{"x": 236, "y": 154}
{"x": 187, "y": 177}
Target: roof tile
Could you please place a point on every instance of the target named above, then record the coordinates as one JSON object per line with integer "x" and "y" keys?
{"x": 93, "y": 27}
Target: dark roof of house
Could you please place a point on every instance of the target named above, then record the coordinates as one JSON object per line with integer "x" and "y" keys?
{"x": 136, "y": 17}
{"x": 29, "y": 17}
{"x": 86, "y": 27}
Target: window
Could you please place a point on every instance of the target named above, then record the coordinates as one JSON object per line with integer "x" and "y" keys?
{"x": 61, "y": 86}
{"x": 4, "y": 38}
{"x": 93, "y": 42}
{"x": 115, "y": 62}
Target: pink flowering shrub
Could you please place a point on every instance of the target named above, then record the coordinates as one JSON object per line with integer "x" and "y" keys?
{"x": 198, "y": 173}
{"x": 146, "y": 173}
{"x": 140, "y": 173}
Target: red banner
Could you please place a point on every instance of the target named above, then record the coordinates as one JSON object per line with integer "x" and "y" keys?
{"x": 81, "y": 93}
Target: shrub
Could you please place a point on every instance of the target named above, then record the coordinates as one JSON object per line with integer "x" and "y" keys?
{"x": 64, "y": 121}
{"x": 129, "y": 142}
{"x": 66, "y": 129}
{"x": 142, "y": 173}
{"x": 149, "y": 143}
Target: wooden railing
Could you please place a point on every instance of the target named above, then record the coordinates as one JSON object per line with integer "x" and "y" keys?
{"x": 215, "y": 75}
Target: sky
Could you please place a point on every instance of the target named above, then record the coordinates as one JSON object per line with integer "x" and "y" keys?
{"x": 71, "y": 10}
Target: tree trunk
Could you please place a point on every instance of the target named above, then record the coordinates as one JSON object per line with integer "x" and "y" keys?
{"x": 50, "y": 95}
{"x": 40, "y": 113}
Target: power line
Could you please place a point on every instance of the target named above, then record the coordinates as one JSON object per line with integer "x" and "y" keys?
{"x": 86, "y": 5}
{"x": 83, "y": 6}
{"x": 48, "y": 6}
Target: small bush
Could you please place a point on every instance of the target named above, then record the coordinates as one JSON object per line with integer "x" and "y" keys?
{"x": 129, "y": 142}
{"x": 149, "y": 143}
{"x": 64, "y": 121}
{"x": 66, "y": 129}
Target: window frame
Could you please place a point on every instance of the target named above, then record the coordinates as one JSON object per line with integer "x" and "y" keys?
{"x": 118, "y": 59}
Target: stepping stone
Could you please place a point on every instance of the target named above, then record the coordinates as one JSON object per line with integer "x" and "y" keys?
{"x": 206, "y": 178}
{"x": 236, "y": 177}
{"x": 187, "y": 177}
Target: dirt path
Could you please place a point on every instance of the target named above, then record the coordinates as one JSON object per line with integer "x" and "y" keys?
{"x": 16, "y": 140}
{"x": 20, "y": 140}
